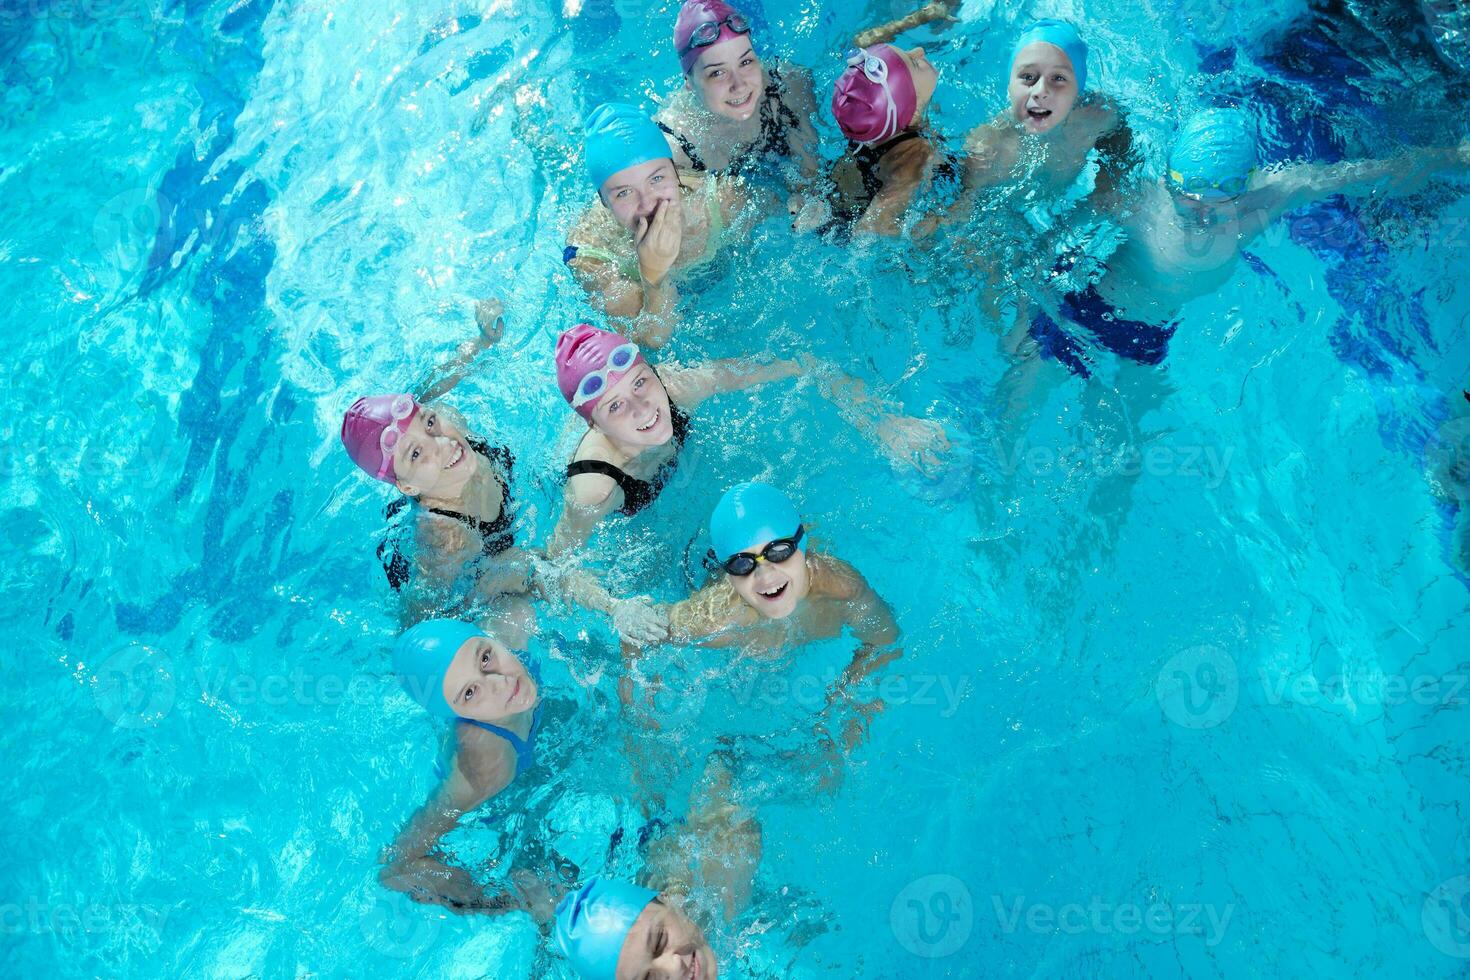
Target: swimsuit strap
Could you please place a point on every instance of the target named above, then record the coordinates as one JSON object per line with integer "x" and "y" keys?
{"x": 637, "y": 494}
{"x": 777, "y": 118}
{"x": 495, "y": 535}
{"x": 696, "y": 162}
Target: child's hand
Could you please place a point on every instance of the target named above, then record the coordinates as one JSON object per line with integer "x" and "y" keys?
{"x": 944, "y": 11}
{"x": 640, "y": 622}
{"x": 658, "y": 238}
{"x": 916, "y": 442}
{"x": 808, "y": 213}
{"x": 490, "y": 315}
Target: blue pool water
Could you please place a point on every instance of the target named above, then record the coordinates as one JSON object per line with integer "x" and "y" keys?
{"x": 1185, "y": 657}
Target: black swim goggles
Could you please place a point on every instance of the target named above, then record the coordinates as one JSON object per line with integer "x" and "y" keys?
{"x": 743, "y": 563}
{"x": 709, "y": 32}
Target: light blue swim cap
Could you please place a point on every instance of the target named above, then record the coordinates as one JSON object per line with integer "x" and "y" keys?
{"x": 593, "y": 921}
{"x": 421, "y": 659}
{"x": 1214, "y": 151}
{"x": 1061, "y": 34}
{"x": 750, "y": 514}
{"x": 620, "y": 136}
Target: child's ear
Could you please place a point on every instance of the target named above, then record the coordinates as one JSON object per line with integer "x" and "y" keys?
{"x": 407, "y": 489}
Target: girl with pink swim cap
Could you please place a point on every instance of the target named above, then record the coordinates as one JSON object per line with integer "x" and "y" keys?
{"x": 735, "y": 111}
{"x": 637, "y": 420}
{"x": 455, "y": 513}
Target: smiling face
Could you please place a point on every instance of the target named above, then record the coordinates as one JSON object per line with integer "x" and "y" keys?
{"x": 486, "y": 682}
{"x": 432, "y": 458}
{"x": 1043, "y": 87}
{"x": 664, "y": 945}
{"x": 634, "y": 192}
{"x": 773, "y": 590}
{"x": 925, "y": 76}
{"x": 729, "y": 79}
{"x": 635, "y": 412}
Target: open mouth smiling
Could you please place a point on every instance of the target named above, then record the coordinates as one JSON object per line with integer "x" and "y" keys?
{"x": 651, "y": 422}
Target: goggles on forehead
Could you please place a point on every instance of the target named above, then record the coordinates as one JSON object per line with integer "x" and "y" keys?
{"x": 594, "y": 385}
{"x": 708, "y": 32}
{"x": 875, "y": 70}
{"x": 1207, "y": 191}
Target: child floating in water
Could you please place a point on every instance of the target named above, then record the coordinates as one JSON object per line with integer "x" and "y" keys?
{"x": 610, "y": 930}
{"x": 638, "y": 417}
{"x": 651, "y": 223}
{"x": 1186, "y": 232}
{"x": 735, "y": 111}
{"x": 457, "y": 672}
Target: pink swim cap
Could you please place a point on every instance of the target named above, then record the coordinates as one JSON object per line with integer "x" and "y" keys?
{"x": 866, "y": 111}
{"x": 367, "y": 432}
{"x": 693, "y": 14}
{"x": 584, "y": 350}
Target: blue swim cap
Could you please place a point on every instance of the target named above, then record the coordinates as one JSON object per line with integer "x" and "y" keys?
{"x": 593, "y": 921}
{"x": 421, "y": 659}
{"x": 1062, "y": 35}
{"x": 750, "y": 514}
{"x": 620, "y": 136}
{"x": 1214, "y": 151}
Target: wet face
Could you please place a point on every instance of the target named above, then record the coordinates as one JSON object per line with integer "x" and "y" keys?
{"x": 773, "y": 590}
{"x": 486, "y": 682}
{"x": 1043, "y": 87}
{"x": 432, "y": 458}
{"x": 729, "y": 79}
{"x": 925, "y": 76}
{"x": 633, "y": 193}
{"x": 635, "y": 411}
{"x": 664, "y": 945}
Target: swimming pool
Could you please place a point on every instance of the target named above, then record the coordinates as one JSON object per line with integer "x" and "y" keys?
{"x": 1184, "y": 685}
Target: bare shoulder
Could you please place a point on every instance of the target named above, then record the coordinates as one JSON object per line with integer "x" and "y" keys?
{"x": 991, "y": 149}
{"x": 833, "y": 578}
{"x": 438, "y": 535}
{"x": 485, "y": 761}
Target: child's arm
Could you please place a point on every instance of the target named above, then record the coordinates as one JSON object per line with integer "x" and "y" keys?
{"x": 942, "y": 11}
{"x": 411, "y": 865}
{"x": 635, "y": 620}
{"x": 587, "y": 499}
{"x": 489, "y": 314}
{"x": 871, "y": 620}
{"x": 1290, "y": 188}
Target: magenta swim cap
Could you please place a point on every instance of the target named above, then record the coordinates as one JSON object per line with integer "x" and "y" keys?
{"x": 871, "y": 108}
{"x": 585, "y": 350}
{"x": 691, "y": 16}
{"x": 372, "y": 427}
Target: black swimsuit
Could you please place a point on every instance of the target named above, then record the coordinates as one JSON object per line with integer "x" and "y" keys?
{"x": 867, "y": 160}
{"x": 778, "y": 121}
{"x": 638, "y": 494}
{"x": 496, "y": 536}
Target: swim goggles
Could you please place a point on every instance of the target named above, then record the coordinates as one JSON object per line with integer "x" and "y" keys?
{"x": 709, "y": 32}
{"x": 1207, "y": 191}
{"x": 400, "y": 411}
{"x": 743, "y": 563}
{"x": 594, "y": 385}
{"x": 875, "y": 69}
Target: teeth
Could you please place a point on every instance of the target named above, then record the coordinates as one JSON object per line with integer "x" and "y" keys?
{"x": 458, "y": 454}
{"x": 651, "y": 422}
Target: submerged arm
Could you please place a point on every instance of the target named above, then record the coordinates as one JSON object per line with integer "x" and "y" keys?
{"x": 942, "y": 11}
{"x": 490, "y": 315}
{"x": 1294, "y": 187}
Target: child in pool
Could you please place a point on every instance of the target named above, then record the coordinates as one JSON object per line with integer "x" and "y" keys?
{"x": 613, "y": 930}
{"x": 457, "y": 672}
{"x": 879, "y": 102}
{"x": 651, "y": 221}
{"x": 456, "y": 490}
{"x": 1186, "y": 232}
{"x": 735, "y": 111}
{"x": 637, "y": 421}
{"x": 773, "y": 594}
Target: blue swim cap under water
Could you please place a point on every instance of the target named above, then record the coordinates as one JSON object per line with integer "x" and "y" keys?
{"x": 750, "y": 514}
{"x": 1062, "y": 35}
{"x": 619, "y": 136}
{"x": 593, "y": 922}
{"x": 421, "y": 659}
{"x": 1214, "y": 151}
